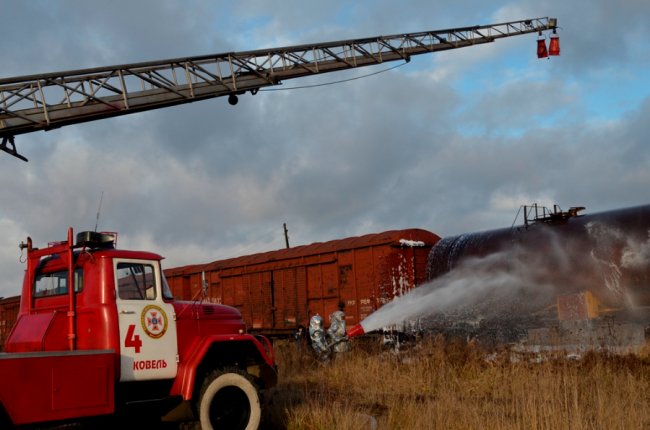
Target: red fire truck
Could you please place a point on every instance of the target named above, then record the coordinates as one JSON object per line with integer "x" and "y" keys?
{"x": 99, "y": 334}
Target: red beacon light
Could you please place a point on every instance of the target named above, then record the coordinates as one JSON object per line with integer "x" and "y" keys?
{"x": 541, "y": 47}
{"x": 553, "y": 47}
{"x": 554, "y": 44}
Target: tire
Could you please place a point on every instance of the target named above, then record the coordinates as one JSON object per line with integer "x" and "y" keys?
{"x": 229, "y": 400}
{"x": 5, "y": 421}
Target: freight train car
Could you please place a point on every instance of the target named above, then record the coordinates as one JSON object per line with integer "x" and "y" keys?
{"x": 278, "y": 291}
{"x": 9, "y": 308}
{"x": 560, "y": 278}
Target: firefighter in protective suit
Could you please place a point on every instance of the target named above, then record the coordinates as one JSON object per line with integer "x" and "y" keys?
{"x": 318, "y": 340}
{"x": 337, "y": 332}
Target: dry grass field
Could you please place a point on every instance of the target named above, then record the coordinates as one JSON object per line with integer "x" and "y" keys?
{"x": 454, "y": 385}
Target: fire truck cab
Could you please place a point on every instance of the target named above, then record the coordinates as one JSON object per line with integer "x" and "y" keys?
{"x": 99, "y": 333}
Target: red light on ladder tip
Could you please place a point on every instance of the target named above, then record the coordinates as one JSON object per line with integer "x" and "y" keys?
{"x": 554, "y": 45}
{"x": 541, "y": 48}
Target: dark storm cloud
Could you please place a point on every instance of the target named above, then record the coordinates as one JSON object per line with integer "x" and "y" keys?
{"x": 42, "y": 36}
{"x": 419, "y": 146}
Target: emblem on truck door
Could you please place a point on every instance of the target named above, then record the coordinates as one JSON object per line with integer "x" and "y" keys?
{"x": 154, "y": 321}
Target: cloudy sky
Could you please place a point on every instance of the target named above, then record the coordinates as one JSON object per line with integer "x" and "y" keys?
{"x": 452, "y": 142}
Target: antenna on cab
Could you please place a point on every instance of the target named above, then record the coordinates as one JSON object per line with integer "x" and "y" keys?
{"x": 101, "y": 199}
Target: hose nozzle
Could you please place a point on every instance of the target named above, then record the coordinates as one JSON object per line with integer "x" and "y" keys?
{"x": 356, "y": 330}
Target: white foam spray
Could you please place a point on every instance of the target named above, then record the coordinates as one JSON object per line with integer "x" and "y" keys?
{"x": 637, "y": 254}
{"x": 521, "y": 279}
{"x": 479, "y": 285}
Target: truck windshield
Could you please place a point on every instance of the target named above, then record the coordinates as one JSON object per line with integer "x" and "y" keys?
{"x": 56, "y": 283}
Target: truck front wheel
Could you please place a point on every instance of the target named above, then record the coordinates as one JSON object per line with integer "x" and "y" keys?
{"x": 229, "y": 400}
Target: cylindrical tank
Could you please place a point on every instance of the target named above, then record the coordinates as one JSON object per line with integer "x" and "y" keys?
{"x": 607, "y": 254}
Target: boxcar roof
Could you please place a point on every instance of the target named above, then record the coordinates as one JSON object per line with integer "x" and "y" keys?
{"x": 9, "y": 300}
{"x": 392, "y": 238}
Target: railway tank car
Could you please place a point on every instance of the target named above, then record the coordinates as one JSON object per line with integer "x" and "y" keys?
{"x": 560, "y": 278}
{"x": 278, "y": 291}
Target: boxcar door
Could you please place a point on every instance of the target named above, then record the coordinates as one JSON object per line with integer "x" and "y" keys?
{"x": 322, "y": 290}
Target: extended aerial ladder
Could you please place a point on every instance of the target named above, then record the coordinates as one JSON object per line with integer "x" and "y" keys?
{"x": 52, "y": 100}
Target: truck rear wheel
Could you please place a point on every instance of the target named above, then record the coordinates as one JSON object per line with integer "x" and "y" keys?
{"x": 229, "y": 400}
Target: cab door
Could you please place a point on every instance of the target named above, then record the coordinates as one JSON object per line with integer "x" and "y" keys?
{"x": 148, "y": 346}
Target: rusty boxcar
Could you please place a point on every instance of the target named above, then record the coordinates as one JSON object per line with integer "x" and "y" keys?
{"x": 9, "y": 307}
{"x": 280, "y": 290}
